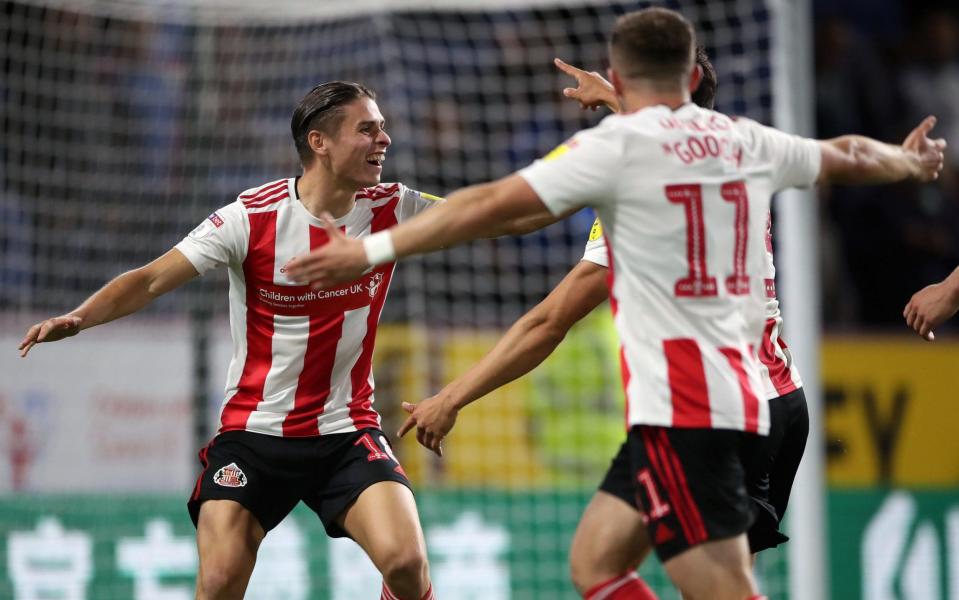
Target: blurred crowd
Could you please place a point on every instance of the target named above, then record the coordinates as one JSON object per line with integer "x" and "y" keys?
{"x": 119, "y": 135}
{"x": 881, "y": 66}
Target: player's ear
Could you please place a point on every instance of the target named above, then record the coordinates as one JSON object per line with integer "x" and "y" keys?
{"x": 615, "y": 79}
{"x": 318, "y": 141}
{"x": 695, "y": 78}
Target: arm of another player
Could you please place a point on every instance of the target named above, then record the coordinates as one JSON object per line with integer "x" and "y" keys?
{"x": 471, "y": 213}
{"x": 591, "y": 91}
{"x": 124, "y": 295}
{"x": 527, "y": 344}
{"x": 860, "y": 160}
{"x": 933, "y": 305}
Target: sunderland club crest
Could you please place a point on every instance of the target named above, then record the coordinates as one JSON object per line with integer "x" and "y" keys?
{"x": 374, "y": 283}
{"x": 230, "y": 476}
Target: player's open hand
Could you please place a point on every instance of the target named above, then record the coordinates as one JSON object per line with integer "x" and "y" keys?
{"x": 591, "y": 91}
{"x": 50, "y": 330}
{"x": 929, "y": 151}
{"x": 340, "y": 260}
{"x": 433, "y": 419}
{"x": 930, "y": 307}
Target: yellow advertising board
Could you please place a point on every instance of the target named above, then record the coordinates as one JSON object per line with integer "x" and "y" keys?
{"x": 558, "y": 426}
{"x": 891, "y": 411}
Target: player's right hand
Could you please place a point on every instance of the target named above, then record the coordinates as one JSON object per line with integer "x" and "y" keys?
{"x": 592, "y": 89}
{"x": 930, "y": 151}
{"x": 930, "y": 307}
{"x": 50, "y": 330}
{"x": 433, "y": 419}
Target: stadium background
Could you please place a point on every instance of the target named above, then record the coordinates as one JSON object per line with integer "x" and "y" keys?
{"x": 126, "y": 122}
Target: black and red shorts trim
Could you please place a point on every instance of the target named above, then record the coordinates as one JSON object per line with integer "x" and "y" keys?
{"x": 690, "y": 484}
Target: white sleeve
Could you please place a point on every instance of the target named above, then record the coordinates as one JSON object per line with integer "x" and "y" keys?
{"x": 581, "y": 172}
{"x": 413, "y": 202}
{"x": 220, "y": 239}
{"x": 596, "y": 246}
{"x": 796, "y": 161}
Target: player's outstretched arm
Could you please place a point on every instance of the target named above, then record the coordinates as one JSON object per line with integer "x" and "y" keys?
{"x": 860, "y": 160}
{"x": 591, "y": 91}
{"x": 474, "y": 212}
{"x": 124, "y": 295}
{"x": 933, "y": 305}
{"x": 527, "y": 344}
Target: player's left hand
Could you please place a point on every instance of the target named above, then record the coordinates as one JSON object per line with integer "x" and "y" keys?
{"x": 930, "y": 307}
{"x": 929, "y": 151}
{"x": 340, "y": 260}
{"x": 433, "y": 418}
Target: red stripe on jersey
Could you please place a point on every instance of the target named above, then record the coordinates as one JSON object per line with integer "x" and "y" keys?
{"x": 614, "y": 305}
{"x": 750, "y": 402}
{"x": 258, "y": 267}
{"x": 361, "y": 408}
{"x": 263, "y": 191}
{"x": 664, "y": 475}
{"x": 269, "y": 201}
{"x": 695, "y": 518}
{"x": 779, "y": 372}
{"x": 378, "y": 192}
{"x": 313, "y": 386}
{"x": 266, "y": 200}
{"x": 687, "y": 383}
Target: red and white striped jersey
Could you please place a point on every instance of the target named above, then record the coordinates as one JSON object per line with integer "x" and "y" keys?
{"x": 779, "y": 372}
{"x": 684, "y": 198}
{"x": 302, "y": 359}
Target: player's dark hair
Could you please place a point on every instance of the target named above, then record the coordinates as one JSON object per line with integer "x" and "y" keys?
{"x": 705, "y": 94}
{"x": 655, "y": 45}
{"x": 322, "y": 109}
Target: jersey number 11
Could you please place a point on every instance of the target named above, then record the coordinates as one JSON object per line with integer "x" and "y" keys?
{"x": 698, "y": 283}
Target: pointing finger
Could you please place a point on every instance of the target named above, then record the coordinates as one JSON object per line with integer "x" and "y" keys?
{"x": 26, "y": 348}
{"x": 567, "y": 68}
{"x": 407, "y": 425}
{"x": 31, "y": 335}
{"x": 927, "y": 124}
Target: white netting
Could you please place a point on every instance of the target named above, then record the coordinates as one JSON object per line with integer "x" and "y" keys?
{"x": 126, "y": 122}
{"x": 120, "y": 134}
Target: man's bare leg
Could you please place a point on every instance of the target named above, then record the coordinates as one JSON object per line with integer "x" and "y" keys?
{"x": 227, "y": 538}
{"x": 610, "y": 540}
{"x": 384, "y": 522}
{"x": 717, "y": 570}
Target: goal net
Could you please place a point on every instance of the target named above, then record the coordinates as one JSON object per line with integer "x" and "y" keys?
{"x": 126, "y": 122}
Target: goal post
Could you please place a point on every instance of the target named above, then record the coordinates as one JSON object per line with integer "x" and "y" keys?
{"x": 797, "y": 234}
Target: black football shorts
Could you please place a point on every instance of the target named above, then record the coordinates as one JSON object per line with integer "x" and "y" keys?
{"x": 771, "y": 465}
{"x": 268, "y": 475}
{"x": 691, "y": 485}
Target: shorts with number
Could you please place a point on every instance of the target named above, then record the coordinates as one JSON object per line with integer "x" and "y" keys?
{"x": 691, "y": 485}
{"x": 269, "y": 475}
{"x": 772, "y": 462}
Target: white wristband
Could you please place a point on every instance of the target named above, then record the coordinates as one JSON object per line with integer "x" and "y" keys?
{"x": 379, "y": 248}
